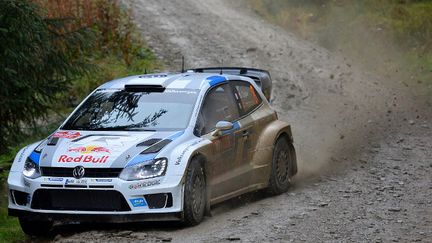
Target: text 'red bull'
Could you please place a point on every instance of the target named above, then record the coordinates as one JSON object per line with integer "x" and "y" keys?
{"x": 83, "y": 159}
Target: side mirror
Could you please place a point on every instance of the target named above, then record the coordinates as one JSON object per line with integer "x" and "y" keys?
{"x": 222, "y": 126}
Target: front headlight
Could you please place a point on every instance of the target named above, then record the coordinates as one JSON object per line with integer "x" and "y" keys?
{"x": 31, "y": 169}
{"x": 145, "y": 170}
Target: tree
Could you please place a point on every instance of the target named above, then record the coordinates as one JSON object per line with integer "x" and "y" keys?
{"x": 38, "y": 58}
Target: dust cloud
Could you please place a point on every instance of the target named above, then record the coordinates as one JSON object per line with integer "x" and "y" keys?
{"x": 351, "y": 96}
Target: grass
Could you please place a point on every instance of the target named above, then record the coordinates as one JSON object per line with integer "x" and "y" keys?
{"x": 10, "y": 230}
{"x": 390, "y": 37}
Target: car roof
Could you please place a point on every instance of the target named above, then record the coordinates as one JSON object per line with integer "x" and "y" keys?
{"x": 187, "y": 80}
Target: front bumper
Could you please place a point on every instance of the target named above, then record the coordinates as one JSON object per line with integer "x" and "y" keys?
{"x": 99, "y": 218}
{"x": 28, "y": 198}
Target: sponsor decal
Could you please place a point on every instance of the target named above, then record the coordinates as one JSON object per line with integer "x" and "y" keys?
{"x": 138, "y": 202}
{"x": 89, "y": 149}
{"x": 76, "y": 181}
{"x": 68, "y": 135}
{"x": 53, "y": 179}
{"x": 101, "y": 180}
{"x": 82, "y": 159}
{"x": 144, "y": 184}
{"x": 178, "y": 160}
{"x": 20, "y": 158}
{"x": 181, "y": 91}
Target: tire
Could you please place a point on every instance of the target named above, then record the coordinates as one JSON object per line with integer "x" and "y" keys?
{"x": 194, "y": 194}
{"x": 282, "y": 166}
{"x": 35, "y": 227}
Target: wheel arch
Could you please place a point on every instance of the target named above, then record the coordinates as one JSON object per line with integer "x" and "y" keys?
{"x": 202, "y": 160}
{"x": 200, "y": 154}
{"x": 268, "y": 138}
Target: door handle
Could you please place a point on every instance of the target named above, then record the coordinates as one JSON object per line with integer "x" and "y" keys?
{"x": 245, "y": 134}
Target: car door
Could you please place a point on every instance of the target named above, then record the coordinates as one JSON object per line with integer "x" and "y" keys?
{"x": 249, "y": 102}
{"x": 219, "y": 105}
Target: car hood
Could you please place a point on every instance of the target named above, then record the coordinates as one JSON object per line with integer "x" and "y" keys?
{"x": 98, "y": 149}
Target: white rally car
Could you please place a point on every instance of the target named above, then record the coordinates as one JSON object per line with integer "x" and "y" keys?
{"x": 155, "y": 147}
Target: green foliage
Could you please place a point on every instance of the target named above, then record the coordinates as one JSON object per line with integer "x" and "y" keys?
{"x": 392, "y": 37}
{"x": 111, "y": 66}
{"x": 38, "y": 60}
{"x": 10, "y": 230}
{"x": 55, "y": 59}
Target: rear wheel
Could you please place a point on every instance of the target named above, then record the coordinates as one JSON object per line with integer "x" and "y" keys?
{"x": 35, "y": 227}
{"x": 280, "y": 177}
{"x": 194, "y": 194}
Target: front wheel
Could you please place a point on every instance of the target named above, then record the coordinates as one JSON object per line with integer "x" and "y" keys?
{"x": 35, "y": 227}
{"x": 282, "y": 164}
{"x": 194, "y": 194}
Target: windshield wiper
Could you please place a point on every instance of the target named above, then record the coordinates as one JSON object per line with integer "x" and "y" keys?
{"x": 121, "y": 128}
{"x": 139, "y": 129}
{"x": 118, "y": 128}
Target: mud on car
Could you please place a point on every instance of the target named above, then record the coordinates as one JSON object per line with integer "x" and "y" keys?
{"x": 155, "y": 147}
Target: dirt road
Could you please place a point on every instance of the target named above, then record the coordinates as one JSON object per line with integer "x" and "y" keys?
{"x": 364, "y": 143}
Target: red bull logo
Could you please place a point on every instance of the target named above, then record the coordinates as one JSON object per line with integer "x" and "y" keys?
{"x": 68, "y": 135}
{"x": 83, "y": 159}
{"x": 89, "y": 149}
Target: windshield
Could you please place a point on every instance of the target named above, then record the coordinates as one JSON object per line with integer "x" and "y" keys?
{"x": 134, "y": 111}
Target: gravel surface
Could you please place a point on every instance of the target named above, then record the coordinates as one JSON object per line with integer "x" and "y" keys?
{"x": 364, "y": 142}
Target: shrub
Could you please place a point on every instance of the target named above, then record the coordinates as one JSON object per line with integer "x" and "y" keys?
{"x": 39, "y": 57}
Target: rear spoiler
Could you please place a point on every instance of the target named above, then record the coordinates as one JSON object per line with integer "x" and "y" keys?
{"x": 261, "y": 77}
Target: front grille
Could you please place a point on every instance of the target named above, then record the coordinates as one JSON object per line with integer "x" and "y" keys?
{"x": 89, "y": 172}
{"x": 82, "y": 200}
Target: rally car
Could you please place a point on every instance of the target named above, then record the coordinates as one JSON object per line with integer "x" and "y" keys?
{"x": 155, "y": 147}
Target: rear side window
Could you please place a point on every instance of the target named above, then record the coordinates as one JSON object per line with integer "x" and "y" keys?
{"x": 219, "y": 105}
{"x": 248, "y": 97}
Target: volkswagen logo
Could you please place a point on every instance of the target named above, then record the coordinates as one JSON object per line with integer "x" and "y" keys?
{"x": 78, "y": 172}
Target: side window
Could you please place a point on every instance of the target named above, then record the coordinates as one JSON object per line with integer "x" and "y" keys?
{"x": 246, "y": 93}
{"x": 219, "y": 105}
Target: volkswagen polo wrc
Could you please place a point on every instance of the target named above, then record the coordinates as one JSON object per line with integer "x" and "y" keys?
{"x": 155, "y": 147}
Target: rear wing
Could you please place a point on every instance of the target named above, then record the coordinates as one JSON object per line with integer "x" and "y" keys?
{"x": 261, "y": 77}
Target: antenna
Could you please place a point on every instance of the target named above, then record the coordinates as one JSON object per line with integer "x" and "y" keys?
{"x": 183, "y": 65}
{"x": 221, "y": 71}
{"x": 145, "y": 70}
